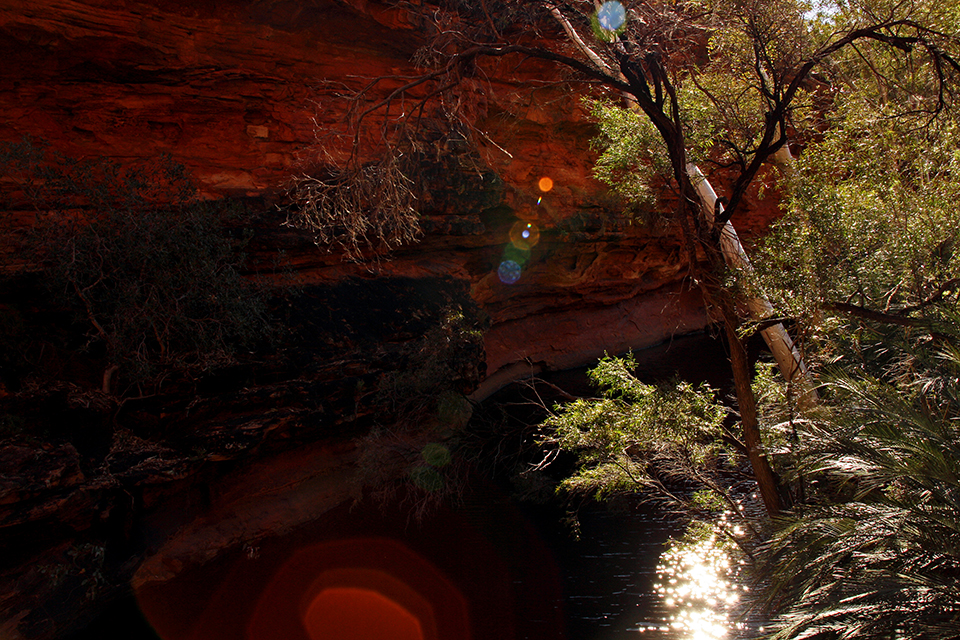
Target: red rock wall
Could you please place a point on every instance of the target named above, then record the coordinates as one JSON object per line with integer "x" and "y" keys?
{"x": 239, "y": 91}
{"x": 231, "y": 89}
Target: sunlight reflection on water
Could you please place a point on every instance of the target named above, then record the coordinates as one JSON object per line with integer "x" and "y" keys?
{"x": 698, "y": 590}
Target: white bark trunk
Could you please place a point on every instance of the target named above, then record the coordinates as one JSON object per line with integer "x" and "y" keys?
{"x": 778, "y": 340}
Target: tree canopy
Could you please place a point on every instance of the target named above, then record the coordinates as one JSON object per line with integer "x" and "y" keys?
{"x": 847, "y": 111}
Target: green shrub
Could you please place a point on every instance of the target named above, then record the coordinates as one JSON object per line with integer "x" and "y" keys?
{"x": 148, "y": 268}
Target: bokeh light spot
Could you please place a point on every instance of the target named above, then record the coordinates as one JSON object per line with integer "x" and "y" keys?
{"x": 509, "y": 272}
{"x": 524, "y": 235}
{"x": 545, "y": 183}
{"x": 519, "y": 255}
{"x": 351, "y": 589}
{"x": 351, "y": 613}
{"x": 427, "y": 478}
{"x": 611, "y": 15}
{"x": 435, "y": 454}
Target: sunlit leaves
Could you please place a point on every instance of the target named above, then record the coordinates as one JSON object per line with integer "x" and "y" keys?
{"x": 902, "y": 75}
{"x": 720, "y": 96}
{"x": 872, "y": 218}
{"x": 632, "y": 153}
{"x": 876, "y": 551}
{"x": 637, "y": 434}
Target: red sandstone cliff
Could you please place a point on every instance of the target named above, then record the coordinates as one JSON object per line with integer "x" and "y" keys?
{"x": 239, "y": 92}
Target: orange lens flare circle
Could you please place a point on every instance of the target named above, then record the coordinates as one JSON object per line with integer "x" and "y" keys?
{"x": 545, "y": 184}
{"x": 358, "y": 589}
{"x": 352, "y": 613}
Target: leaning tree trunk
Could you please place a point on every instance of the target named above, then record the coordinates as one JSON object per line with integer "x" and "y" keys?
{"x": 767, "y": 483}
{"x": 784, "y": 351}
{"x": 766, "y": 480}
{"x": 778, "y": 340}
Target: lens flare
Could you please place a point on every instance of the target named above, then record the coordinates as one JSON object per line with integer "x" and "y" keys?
{"x": 357, "y": 589}
{"x": 611, "y": 15}
{"x": 436, "y": 455}
{"x": 351, "y": 613}
{"x": 524, "y": 235}
{"x": 516, "y": 254}
{"x": 427, "y": 478}
{"x": 509, "y": 272}
{"x": 545, "y": 184}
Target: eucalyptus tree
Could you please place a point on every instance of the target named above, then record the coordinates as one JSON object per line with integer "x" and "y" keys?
{"x": 864, "y": 259}
{"x": 725, "y": 84}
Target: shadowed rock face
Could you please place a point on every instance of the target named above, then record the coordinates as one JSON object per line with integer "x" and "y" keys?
{"x": 240, "y": 93}
{"x": 244, "y": 94}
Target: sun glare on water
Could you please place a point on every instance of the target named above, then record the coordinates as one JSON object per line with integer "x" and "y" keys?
{"x": 696, "y": 589}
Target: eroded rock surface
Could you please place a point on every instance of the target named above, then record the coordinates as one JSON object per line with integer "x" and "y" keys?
{"x": 245, "y": 95}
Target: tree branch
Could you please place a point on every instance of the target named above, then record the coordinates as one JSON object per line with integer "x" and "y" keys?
{"x": 775, "y": 118}
{"x": 877, "y": 316}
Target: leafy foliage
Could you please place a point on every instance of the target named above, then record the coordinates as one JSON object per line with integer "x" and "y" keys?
{"x": 639, "y": 437}
{"x": 442, "y": 360}
{"x": 148, "y": 267}
{"x": 752, "y": 49}
{"x": 876, "y": 551}
{"x": 864, "y": 260}
{"x": 424, "y": 415}
{"x": 872, "y": 220}
{"x": 632, "y": 158}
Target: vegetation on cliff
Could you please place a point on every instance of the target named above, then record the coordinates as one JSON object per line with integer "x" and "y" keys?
{"x": 862, "y": 542}
{"x": 131, "y": 254}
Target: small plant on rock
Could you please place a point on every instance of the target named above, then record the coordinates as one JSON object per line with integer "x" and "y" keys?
{"x": 148, "y": 268}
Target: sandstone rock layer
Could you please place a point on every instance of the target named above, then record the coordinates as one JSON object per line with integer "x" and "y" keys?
{"x": 246, "y": 94}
